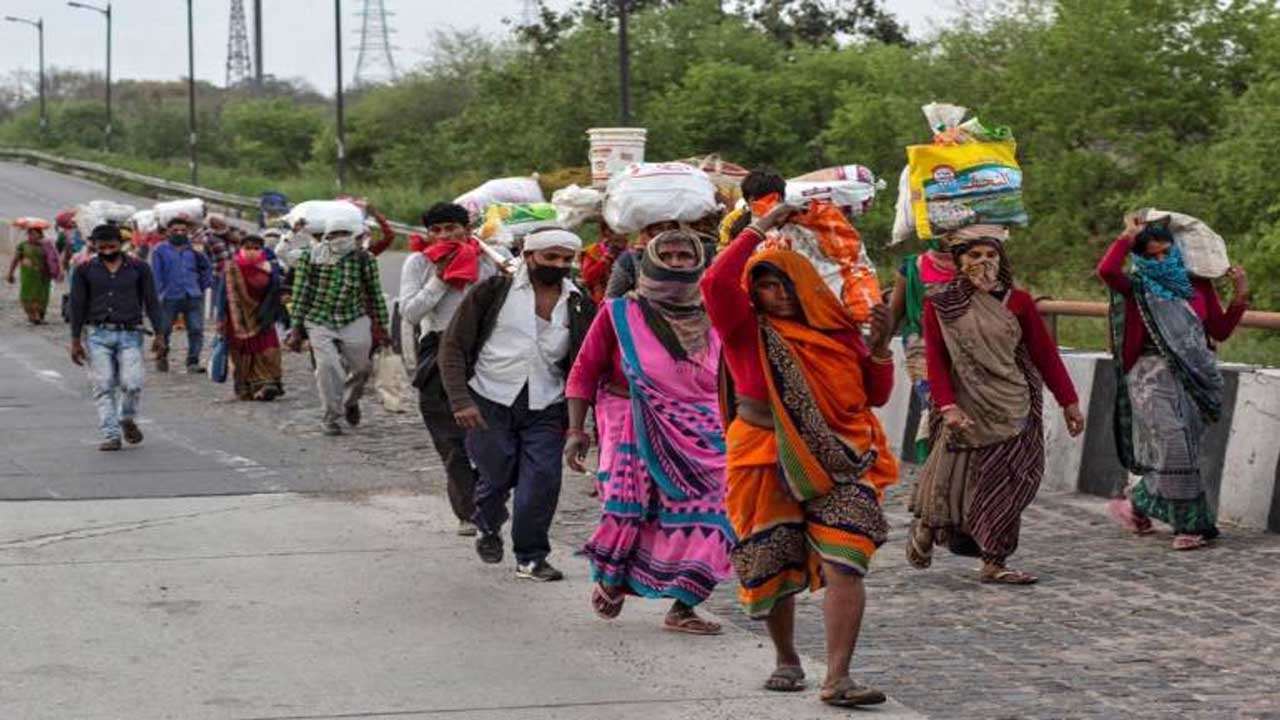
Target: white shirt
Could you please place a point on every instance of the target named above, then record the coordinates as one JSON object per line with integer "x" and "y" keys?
{"x": 524, "y": 349}
{"x": 425, "y": 299}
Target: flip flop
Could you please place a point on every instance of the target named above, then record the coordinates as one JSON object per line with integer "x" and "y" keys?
{"x": 848, "y": 693}
{"x": 1188, "y": 542}
{"x": 691, "y": 624}
{"x": 1122, "y": 512}
{"x": 605, "y": 605}
{"x": 1006, "y": 576}
{"x": 786, "y": 678}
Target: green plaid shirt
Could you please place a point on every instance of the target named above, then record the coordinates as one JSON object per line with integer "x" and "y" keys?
{"x": 337, "y": 295}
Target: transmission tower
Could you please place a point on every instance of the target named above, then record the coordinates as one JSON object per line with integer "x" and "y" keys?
{"x": 375, "y": 63}
{"x": 528, "y": 13}
{"x": 239, "y": 64}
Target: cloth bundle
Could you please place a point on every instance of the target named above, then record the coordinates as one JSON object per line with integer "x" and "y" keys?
{"x": 649, "y": 193}
{"x": 1204, "y": 252}
{"x": 501, "y": 190}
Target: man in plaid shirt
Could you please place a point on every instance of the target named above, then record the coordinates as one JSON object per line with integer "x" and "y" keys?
{"x": 338, "y": 303}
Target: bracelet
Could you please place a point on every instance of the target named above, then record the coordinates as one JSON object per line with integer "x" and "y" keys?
{"x": 577, "y": 433}
{"x": 885, "y": 359}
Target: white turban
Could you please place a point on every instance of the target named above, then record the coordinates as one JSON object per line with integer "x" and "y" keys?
{"x": 552, "y": 238}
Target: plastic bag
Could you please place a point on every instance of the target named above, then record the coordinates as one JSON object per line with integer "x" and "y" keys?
{"x": 957, "y": 185}
{"x": 853, "y": 195}
{"x": 904, "y": 222}
{"x": 192, "y": 210}
{"x": 501, "y": 190}
{"x": 390, "y": 381}
{"x": 1203, "y": 251}
{"x": 649, "y": 193}
{"x": 325, "y": 216}
{"x": 144, "y": 221}
{"x": 505, "y": 223}
{"x": 576, "y": 205}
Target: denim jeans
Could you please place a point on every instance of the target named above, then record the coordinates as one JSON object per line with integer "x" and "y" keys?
{"x": 192, "y": 309}
{"x": 115, "y": 362}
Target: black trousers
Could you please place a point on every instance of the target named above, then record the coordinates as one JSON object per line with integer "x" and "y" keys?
{"x": 450, "y": 442}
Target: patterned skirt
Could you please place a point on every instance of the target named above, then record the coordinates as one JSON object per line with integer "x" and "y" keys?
{"x": 783, "y": 543}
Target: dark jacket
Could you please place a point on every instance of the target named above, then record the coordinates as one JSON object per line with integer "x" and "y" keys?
{"x": 473, "y": 324}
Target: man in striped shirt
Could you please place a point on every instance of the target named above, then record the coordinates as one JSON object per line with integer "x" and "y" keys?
{"x": 338, "y": 304}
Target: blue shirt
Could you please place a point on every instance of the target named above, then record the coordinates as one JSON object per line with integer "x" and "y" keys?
{"x": 180, "y": 271}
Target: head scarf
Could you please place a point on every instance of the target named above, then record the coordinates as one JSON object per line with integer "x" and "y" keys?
{"x": 670, "y": 298}
{"x": 1166, "y": 278}
{"x": 552, "y": 238}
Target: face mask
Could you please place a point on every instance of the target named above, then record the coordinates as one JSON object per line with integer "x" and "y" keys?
{"x": 110, "y": 257}
{"x": 984, "y": 274}
{"x": 548, "y": 275}
{"x": 178, "y": 239}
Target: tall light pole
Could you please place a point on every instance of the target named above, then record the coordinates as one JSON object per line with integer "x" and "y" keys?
{"x": 191, "y": 92}
{"x": 337, "y": 52}
{"x": 38, "y": 24}
{"x": 106, "y": 12}
{"x": 624, "y": 64}
{"x": 257, "y": 44}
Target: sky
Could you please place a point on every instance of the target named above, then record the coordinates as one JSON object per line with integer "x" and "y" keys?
{"x": 150, "y": 36}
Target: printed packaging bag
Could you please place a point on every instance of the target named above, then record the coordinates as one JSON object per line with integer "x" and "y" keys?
{"x": 953, "y": 186}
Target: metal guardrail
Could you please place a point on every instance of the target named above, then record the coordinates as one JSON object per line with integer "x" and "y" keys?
{"x": 1053, "y": 309}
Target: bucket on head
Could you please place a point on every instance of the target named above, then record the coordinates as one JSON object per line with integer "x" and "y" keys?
{"x": 612, "y": 150}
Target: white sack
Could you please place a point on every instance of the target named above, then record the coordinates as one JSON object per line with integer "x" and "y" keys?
{"x": 648, "y": 193}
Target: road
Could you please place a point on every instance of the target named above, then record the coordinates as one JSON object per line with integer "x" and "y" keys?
{"x": 267, "y": 594}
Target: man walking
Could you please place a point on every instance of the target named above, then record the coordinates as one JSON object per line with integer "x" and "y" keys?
{"x": 182, "y": 274}
{"x": 433, "y": 282}
{"x": 338, "y": 303}
{"x": 109, "y": 295}
{"x": 503, "y": 363}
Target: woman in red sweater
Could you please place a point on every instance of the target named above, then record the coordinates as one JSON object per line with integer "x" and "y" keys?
{"x": 1168, "y": 384}
{"x": 807, "y": 459}
{"x": 989, "y": 355}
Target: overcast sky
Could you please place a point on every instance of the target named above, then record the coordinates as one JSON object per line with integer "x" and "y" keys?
{"x": 150, "y": 35}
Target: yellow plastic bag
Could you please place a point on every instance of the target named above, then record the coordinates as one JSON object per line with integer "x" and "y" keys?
{"x": 953, "y": 186}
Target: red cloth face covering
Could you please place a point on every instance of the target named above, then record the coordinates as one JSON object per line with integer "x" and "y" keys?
{"x": 464, "y": 268}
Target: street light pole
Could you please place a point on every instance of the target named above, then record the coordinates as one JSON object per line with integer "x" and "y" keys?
{"x": 257, "y": 44}
{"x": 191, "y": 92}
{"x": 106, "y": 12}
{"x": 38, "y": 24}
{"x": 624, "y": 64}
{"x": 342, "y": 148}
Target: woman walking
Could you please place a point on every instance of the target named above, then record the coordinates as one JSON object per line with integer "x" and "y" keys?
{"x": 36, "y": 261}
{"x": 989, "y": 356}
{"x": 250, "y": 306}
{"x": 1168, "y": 384}
{"x": 663, "y": 532}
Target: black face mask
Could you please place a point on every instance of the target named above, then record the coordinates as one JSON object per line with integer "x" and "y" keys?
{"x": 110, "y": 257}
{"x": 177, "y": 239}
{"x": 548, "y": 274}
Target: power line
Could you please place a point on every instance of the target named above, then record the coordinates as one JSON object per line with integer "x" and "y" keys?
{"x": 375, "y": 63}
{"x": 239, "y": 62}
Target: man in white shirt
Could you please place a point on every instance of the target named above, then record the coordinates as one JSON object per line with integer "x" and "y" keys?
{"x": 433, "y": 282}
{"x": 503, "y": 362}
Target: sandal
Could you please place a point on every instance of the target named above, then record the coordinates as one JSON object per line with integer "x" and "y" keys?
{"x": 607, "y": 606}
{"x": 786, "y": 678}
{"x": 689, "y": 622}
{"x": 919, "y": 555}
{"x": 1122, "y": 512}
{"x": 1005, "y": 576}
{"x": 848, "y": 693}
{"x": 1188, "y": 542}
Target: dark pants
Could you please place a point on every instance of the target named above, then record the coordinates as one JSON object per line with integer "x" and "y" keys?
{"x": 192, "y": 309}
{"x": 451, "y": 444}
{"x": 521, "y": 449}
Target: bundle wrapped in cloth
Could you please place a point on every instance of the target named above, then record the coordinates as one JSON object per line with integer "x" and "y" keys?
{"x": 514, "y": 190}
{"x": 576, "y": 205}
{"x": 823, "y": 235}
{"x": 1204, "y": 252}
{"x": 504, "y": 223}
{"x": 325, "y": 216}
{"x": 649, "y": 193}
{"x": 191, "y": 210}
{"x": 969, "y": 175}
{"x": 102, "y": 212}
{"x": 852, "y": 188}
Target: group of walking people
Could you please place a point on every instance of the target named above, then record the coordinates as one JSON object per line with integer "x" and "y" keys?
{"x": 731, "y": 394}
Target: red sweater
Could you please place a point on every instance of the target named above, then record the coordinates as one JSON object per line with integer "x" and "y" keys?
{"x": 1040, "y": 345}
{"x": 1217, "y": 324}
{"x": 729, "y": 307}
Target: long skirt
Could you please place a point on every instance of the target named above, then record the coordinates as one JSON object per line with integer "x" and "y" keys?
{"x": 257, "y": 375}
{"x": 33, "y": 292}
{"x": 1167, "y": 429}
{"x": 783, "y": 543}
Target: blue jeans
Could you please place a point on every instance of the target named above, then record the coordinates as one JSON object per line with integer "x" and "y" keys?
{"x": 191, "y": 308}
{"x": 115, "y": 362}
{"x": 520, "y": 449}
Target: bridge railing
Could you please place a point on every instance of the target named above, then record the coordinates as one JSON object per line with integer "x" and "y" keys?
{"x": 1052, "y": 309}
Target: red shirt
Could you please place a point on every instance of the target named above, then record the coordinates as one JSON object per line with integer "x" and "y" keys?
{"x": 1040, "y": 345}
{"x": 729, "y": 307}
{"x": 1217, "y": 324}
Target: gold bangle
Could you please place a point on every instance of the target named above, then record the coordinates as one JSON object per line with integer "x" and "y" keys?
{"x": 886, "y": 359}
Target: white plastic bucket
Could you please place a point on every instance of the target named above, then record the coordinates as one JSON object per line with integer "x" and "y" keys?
{"x": 612, "y": 150}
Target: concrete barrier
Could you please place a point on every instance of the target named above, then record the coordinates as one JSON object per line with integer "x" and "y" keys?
{"x": 1240, "y": 454}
